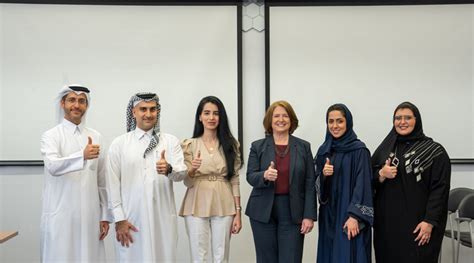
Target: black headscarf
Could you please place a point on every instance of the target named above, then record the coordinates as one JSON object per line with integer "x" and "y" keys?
{"x": 388, "y": 144}
{"x": 348, "y": 142}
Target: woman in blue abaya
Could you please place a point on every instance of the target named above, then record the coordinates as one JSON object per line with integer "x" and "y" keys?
{"x": 344, "y": 185}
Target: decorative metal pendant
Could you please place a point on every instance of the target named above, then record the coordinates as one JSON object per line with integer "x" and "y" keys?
{"x": 395, "y": 161}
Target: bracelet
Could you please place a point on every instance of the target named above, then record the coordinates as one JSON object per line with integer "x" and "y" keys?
{"x": 238, "y": 208}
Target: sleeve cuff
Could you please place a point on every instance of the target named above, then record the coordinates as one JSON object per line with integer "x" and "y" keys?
{"x": 106, "y": 215}
{"x": 236, "y": 190}
{"x": 118, "y": 214}
{"x": 432, "y": 222}
{"x": 80, "y": 162}
{"x": 356, "y": 217}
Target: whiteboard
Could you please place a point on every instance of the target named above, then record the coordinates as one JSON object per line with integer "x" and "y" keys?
{"x": 372, "y": 58}
{"x": 182, "y": 53}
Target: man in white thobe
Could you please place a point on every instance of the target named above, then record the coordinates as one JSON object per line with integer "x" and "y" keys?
{"x": 74, "y": 219}
{"x": 141, "y": 167}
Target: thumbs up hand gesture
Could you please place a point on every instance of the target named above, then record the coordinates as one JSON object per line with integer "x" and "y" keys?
{"x": 387, "y": 170}
{"x": 91, "y": 151}
{"x": 328, "y": 169}
{"x": 162, "y": 165}
{"x": 196, "y": 162}
{"x": 271, "y": 173}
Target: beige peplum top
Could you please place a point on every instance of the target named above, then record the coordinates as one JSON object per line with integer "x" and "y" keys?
{"x": 209, "y": 193}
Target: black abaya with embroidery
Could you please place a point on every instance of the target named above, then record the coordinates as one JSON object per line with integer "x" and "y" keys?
{"x": 402, "y": 203}
{"x": 419, "y": 192}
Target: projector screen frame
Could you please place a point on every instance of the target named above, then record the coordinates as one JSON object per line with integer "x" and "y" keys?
{"x": 277, "y": 3}
{"x": 238, "y": 5}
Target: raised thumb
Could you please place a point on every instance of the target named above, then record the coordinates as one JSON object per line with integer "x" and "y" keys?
{"x": 89, "y": 140}
{"x": 198, "y": 155}
{"x": 328, "y": 162}
{"x": 388, "y": 161}
{"x": 163, "y": 154}
{"x": 272, "y": 165}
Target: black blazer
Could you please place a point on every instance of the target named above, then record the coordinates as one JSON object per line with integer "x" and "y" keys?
{"x": 302, "y": 180}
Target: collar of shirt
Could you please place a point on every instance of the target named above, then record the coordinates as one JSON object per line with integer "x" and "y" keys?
{"x": 73, "y": 128}
{"x": 140, "y": 134}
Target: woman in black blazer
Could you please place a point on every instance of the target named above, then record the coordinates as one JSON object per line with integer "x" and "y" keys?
{"x": 282, "y": 206}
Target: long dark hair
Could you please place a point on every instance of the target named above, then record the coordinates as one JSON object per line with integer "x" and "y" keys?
{"x": 226, "y": 140}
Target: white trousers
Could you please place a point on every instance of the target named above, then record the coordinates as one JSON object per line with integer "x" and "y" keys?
{"x": 215, "y": 228}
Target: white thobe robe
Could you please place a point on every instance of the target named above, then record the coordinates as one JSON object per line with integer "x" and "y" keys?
{"x": 74, "y": 196}
{"x": 143, "y": 197}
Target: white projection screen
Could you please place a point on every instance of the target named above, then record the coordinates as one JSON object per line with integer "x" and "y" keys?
{"x": 372, "y": 58}
{"x": 182, "y": 53}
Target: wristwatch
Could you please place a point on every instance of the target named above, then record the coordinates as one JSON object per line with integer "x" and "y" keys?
{"x": 169, "y": 169}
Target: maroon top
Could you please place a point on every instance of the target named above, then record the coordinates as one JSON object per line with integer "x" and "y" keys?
{"x": 282, "y": 183}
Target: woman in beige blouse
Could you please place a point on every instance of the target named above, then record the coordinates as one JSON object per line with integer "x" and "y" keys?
{"x": 211, "y": 207}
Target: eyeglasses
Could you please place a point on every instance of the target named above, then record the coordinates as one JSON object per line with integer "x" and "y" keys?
{"x": 81, "y": 101}
{"x": 404, "y": 117}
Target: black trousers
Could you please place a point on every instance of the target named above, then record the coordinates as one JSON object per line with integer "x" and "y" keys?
{"x": 280, "y": 239}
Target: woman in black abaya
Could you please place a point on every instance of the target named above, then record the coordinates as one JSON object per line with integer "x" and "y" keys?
{"x": 412, "y": 177}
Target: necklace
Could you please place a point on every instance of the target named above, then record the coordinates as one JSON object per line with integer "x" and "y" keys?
{"x": 283, "y": 153}
{"x": 395, "y": 161}
{"x": 210, "y": 145}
